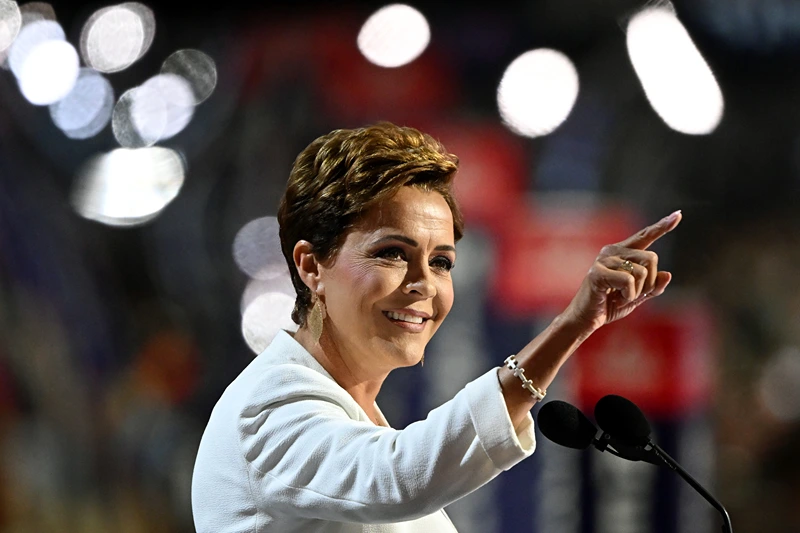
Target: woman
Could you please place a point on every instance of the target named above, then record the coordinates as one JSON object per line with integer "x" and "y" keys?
{"x": 297, "y": 443}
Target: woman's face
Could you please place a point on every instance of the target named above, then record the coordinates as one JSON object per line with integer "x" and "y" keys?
{"x": 389, "y": 287}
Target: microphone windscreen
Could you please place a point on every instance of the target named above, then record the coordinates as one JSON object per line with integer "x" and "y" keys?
{"x": 566, "y": 425}
{"x": 622, "y": 419}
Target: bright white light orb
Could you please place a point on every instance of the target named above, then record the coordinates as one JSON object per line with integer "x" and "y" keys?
{"x": 178, "y": 98}
{"x": 393, "y": 36}
{"x": 114, "y": 38}
{"x": 676, "y": 79}
{"x": 148, "y": 19}
{"x": 155, "y": 111}
{"x": 128, "y": 187}
{"x": 257, "y": 249}
{"x": 10, "y": 23}
{"x": 196, "y": 68}
{"x": 85, "y": 111}
{"x": 30, "y": 37}
{"x": 266, "y": 315}
{"x": 49, "y": 73}
{"x": 537, "y": 92}
{"x": 139, "y": 118}
{"x": 257, "y": 287}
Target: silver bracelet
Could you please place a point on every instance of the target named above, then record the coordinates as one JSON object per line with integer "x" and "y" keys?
{"x": 537, "y": 393}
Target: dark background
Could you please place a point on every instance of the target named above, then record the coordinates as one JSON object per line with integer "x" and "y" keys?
{"x": 116, "y": 342}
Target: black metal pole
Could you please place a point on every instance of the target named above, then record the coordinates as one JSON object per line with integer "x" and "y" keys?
{"x": 673, "y": 464}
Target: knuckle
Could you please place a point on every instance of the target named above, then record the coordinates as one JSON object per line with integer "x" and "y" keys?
{"x": 607, "y": 250}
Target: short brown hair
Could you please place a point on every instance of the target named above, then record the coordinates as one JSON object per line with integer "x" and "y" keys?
{"x": 341, "y": 175}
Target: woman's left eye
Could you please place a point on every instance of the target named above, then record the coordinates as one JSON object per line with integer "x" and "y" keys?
{"x": 442, "y": 263}
{"x": 394, "y": 253}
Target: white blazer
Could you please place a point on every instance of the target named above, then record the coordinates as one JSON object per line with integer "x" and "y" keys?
{"x": 287, "y": 450}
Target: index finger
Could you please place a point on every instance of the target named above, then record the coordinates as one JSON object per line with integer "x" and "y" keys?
{"x": 643, "y": 239}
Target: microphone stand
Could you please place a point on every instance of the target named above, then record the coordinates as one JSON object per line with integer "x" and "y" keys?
{"x": 605, "y": 443}
{"x": 673, "y": 465}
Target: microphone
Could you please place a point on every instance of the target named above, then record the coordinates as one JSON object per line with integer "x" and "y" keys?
{"x": 623, "y": 420}
{"x": 566, "y": 425}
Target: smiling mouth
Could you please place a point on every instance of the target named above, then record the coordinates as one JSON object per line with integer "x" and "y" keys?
{"x": 403, "y": 318}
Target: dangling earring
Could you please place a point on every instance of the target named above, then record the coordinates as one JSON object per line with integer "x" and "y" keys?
{"x": 315, "y": 318}
{"x": 422, "y": 361}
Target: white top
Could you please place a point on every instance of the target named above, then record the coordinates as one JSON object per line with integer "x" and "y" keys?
{"x": 287, "y": 450}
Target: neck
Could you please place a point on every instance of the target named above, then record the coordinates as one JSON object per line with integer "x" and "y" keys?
{"x": 361, "y": 384}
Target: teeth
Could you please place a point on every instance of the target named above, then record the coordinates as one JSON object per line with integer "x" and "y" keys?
{"x": 404, "y": 318}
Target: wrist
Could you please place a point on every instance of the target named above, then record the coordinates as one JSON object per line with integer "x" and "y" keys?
{"x": 569, "y": 325}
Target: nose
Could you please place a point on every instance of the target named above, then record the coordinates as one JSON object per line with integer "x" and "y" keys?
{"x": 419, "y": 281}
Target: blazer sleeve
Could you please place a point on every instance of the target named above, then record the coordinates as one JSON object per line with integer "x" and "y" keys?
{"x": 307, "y": 456}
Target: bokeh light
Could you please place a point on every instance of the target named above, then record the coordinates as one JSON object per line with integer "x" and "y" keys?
{"x": 197, "y": 68}
{"x": 148, "y": 19}
{"x": 178, "y": 98}
{"x": 10, "y": 23}
{"x": 157, "y": 110}
{"x": 257, "y": 249}
{"x": 257, "y": 287}
{"x": 394, "y": 35}
{"x": 128, "y": 187}
{"x": 30, "y": 13}
{"x": 537, "y": 92}
{"x": 85, "y": 111}
{"x": 49, "y": 72}
{"x": 152, "y": 117}
{"x": 115, "y": 37}
{"x": 779, "y": 386}
{"x": 676, "y": 79}
{"x": 29, "y": 38}
{"x": 268, "y": 299}
{"x": 265, "y": 316}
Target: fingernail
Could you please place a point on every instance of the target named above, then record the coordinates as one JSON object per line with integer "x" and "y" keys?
{"x": 673, "y": 216}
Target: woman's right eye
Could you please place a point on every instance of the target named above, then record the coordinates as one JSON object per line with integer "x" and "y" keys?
{"x": 393, "y": 253}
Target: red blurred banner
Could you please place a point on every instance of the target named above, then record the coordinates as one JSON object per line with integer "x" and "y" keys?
{"x": 321, "y": 51}
{"x": 542, "y": 255}
{"x": 661, "y": 359}
{"x": 491, "y": 171}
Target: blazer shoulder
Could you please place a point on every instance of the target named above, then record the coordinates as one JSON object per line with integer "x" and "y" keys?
{"x": 287, "y": 382}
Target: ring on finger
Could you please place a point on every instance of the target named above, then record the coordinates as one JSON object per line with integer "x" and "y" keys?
{"x": 627, "y": 266}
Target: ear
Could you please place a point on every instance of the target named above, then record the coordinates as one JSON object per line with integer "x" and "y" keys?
{"x": 308, "y": 267}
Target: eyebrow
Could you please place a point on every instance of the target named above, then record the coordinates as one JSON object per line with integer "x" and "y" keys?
{"x": 412, "y": 242}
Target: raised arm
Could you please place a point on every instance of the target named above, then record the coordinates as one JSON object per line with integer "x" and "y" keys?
{"x": 623, "y": 277}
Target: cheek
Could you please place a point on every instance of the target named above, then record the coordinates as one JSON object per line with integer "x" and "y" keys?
{"x": 446, "y": 296}
{"x": 367, "y": 283}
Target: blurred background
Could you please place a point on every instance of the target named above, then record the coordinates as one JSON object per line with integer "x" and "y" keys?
{"x": 143, "y": 151}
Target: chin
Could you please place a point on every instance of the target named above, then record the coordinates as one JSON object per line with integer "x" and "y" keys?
{"x": 415, "y": 359}
{"x": 405, "y": 356}
{"x": 411, "y": 362}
